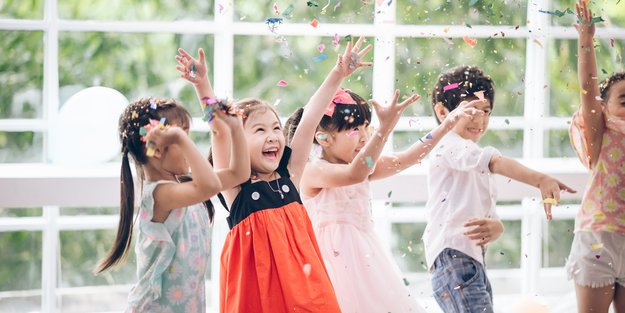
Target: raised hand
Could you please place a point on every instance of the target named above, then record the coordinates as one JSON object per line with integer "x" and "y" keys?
{"x": 550, "y": 189}
{"x": 389, "y": 115}
{"x": 192, "y": 69}
{"x": 585, "y": 27}
{"x": 465, "y": 109}
{"x": 351, "y": 59}
{"x": 159, "y": 138}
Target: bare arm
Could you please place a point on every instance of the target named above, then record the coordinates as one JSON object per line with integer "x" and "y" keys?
{"x": 204, "y": 185}
{"x": 239, "y": 168}
{"x": 302, "y": 141}
{"x": 591, "y": 108}
{"x": 549, "y": 187}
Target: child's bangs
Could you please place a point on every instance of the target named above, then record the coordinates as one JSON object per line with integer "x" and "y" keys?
{"x": 176, "y": 115}
{"x": 348, "y": 116}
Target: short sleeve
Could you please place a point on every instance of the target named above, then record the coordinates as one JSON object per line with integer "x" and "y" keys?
{"x": 465, "y": 155}
{"x": 578, "y": 140}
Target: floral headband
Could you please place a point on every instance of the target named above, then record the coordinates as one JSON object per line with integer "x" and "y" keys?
{"x": 342, "y": 96}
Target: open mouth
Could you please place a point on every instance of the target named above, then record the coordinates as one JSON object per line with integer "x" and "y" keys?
{"x": 271, "y": 153}
{"x": 475, "y": 131}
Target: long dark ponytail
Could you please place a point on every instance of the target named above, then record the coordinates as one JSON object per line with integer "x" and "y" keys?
{"x": 135, "y": 116}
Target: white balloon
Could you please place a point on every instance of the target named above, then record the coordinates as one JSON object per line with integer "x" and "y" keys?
{"x": 85, "y": 132}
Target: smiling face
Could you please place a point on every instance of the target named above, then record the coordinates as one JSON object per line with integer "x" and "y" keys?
{"x": 342, "y": 146}
{"x": 265, "y": 141}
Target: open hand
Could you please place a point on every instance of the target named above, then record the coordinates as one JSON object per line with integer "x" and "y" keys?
{"x": 585, "y": 27}
{"x": 550, "y": 189}
{"x": 191, "y": 69}
{"x": 389, "y": 115}
{"x": 351, "y": 59}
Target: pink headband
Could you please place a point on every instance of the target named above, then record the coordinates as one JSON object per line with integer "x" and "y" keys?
{"x": 342, "y": 96}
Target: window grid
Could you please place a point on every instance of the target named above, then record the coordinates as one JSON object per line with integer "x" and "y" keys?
{"x": 383, "y": 29}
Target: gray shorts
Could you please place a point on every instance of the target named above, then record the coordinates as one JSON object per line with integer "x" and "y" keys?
{"x": 597, "y": 259}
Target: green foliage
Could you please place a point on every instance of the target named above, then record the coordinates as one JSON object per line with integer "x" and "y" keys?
{"x": 465, "y": 12}
{"x": 557, "y": 240}
{"x": 348, "y": 12}
{"x": 21, "y": 147}
{"x": 32, "y": 9}
{"x": 21, "y": 260}
{"x": 20, "y": 212}
{"x": 159, "y": 10}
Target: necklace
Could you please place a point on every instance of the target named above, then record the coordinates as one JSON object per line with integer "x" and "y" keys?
{"x": 278, "y": 188}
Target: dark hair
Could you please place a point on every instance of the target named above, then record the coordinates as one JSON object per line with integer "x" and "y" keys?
{"x": 345, "y": 116}
{"x": 136, "y": 115}
{"x": 605, "y": 86}
{"x": 470, "y": 79}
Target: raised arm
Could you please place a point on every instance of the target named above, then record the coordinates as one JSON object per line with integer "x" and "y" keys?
{"x": 591, "y": 107}
{"x": 205, "y": 183}
{"x": 391, "y": 164}
{"x": 549, "y": 187}
{"x": 239, "y": 168}
{"x": 302, "y": 141}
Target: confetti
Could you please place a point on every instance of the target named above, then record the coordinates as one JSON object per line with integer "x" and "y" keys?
{"x": 389, "y": 194}
{"x": 450, "y": 87}
{"x": 479, "y": 94}
{"x": 321, "y": 47}
{"x": 221, "y": 8}
{"x": 596, "y": 246}
{"x": 275, "y": 9}
{"x": 307, "y": 268}
{"x": 406, "y": 282}
{"x": 314, "y": 23}
{"x": 597, "y": 19}
{"x": 557, "y": 13}
{"x": 143, "y": 131}
{"x": 612, "y": 42}
{"x": 448, "y": 41}
{"x": 335, "y": 41}
{"x": 538, "y": 43}
{"x": 320, "y": 58}
{"x": 369, "y": 161}
{"x": 507, "y": 121}
{"x": 283, "y": 83}
{"x": 151, "y": 149}
{"x": 336, "y": 6}
{"x": 312, "y": 4}
{"x": 288, "y": 12}
{"x": 348, "y": 38}
{"x": 352, "y": 133}
{"x": 273, "y": 23}
{"x": 410, "y": 121}
{"x": 469, "y": 41}
{"x": 550, "y": 201}
{"x": 428, "y": 136}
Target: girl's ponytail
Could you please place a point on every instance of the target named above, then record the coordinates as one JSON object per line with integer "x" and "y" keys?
{"x": 119, "y": 251}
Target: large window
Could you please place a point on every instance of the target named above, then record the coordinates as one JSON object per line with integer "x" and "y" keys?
{"x": 51, "y": 49}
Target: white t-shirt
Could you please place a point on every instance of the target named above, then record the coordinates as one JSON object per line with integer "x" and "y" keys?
{"x": 461, "y": 187}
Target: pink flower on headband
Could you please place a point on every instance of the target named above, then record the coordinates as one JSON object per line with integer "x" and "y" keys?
{"x": 342, "y": 96}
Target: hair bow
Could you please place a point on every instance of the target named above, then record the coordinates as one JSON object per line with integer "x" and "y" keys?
{"x": 342, "y": 96}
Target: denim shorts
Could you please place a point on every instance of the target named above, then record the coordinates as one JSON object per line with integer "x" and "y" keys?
{"x": 460, "y": 284}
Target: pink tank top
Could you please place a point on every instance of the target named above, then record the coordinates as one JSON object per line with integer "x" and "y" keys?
{"x": 603, "y": 205}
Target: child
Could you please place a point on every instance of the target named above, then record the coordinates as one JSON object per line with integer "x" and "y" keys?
{"x": 271, "y": 261}
{"x": 597, "y": 253}
{"x": 462, "y": 194}
{"x": 172, "y": 244}
{"x": 364, "y": 275}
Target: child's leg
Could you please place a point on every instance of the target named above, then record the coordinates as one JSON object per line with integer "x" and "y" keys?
{"x": 594, "y": 300}
{"x": 619, "y": 299}
{"x": 460, "y": 284}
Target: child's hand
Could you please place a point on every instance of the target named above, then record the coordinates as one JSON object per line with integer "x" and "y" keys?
{"x": 165, "y": 137}
{"x": 465, "y": 109}
{"x": 585, "y": 27}
{"x": 485, "y": 230}
{"x": 228, "y": 119}
{"x": 350, "y": 60}
{"x": 389, "y": 115}
{"x": 550, "y": 189}
{"x": 192, "y": 69}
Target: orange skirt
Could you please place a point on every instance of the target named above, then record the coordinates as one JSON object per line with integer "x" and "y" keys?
{"x": 271, "y": 263}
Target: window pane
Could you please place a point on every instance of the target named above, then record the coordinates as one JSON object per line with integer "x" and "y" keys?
{"x": 610, "y": 11}
{"x": 508, "y": 142}
{"x": 505, "y": 252}
{"x": 20, "y": 212}
{"x": 137, "y": 65}
{"x": 562, "y": 70}
{"x": 507, "y": 12}
{"x": 89, "y": 211}
{"x": 160, "y": 10}
{"x": 557, "y": 240}
{"x": 348, "y": 12}
{"x": 259, "y": 65}
{"x": 20, "y": 260}
{"x": 558, "y": 145}
{"x": 407, "y": 246}
{"x": 21, "y": 147}
{"x": 420, "y": 61}
{"x": 202, "y": 140}
{"x": 402, "y": 140}
{"x": 32, "y": 9}
{"x": 21, "y": 74}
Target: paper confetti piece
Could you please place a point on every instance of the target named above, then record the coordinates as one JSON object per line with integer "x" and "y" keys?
{"x": 596, "y": 246}
{"x": 612, "y": 42}
{"x": 389, "y": 194}
{"x": 312, "y": 4}
{"x": 557, "y": 13}
{"x": 479, "y": 94}
{"x": 151, "y": 149}
{"x": 321, "y": 47}
{"x": 143, "y": 131}
{"x": 428, "y": 136}
{"x": 335, "y": 41}
{"x": 275, "y": 8}
{"x": 320, "y": 58}
{"x": 221, "y": 8}
{"x": 550, "y": 201}
{"x": 352, "y": 133}
{"x": 410, "y": 121}
{"x": 538, "y": 43}
{"x": 283, "y": 83}
{"x": 450, "y": 87}
{"x": 288, "y": 12}
{"x": 348, "y": 38}
{"x": 336, "y": 6}
{"x": 369, "y": 161}
{"x": 406, "y": 282}
{"x": 448, "y": 41}
{"x": 307, "y": 268}
{"x": 162, "y": 121}
{"x": 597, "y": 19}
{"x": 469, "y": 41}
{"x": 314, "y": 23}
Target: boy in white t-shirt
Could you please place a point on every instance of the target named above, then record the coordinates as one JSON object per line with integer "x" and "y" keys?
{"x": 462, "y": 194}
